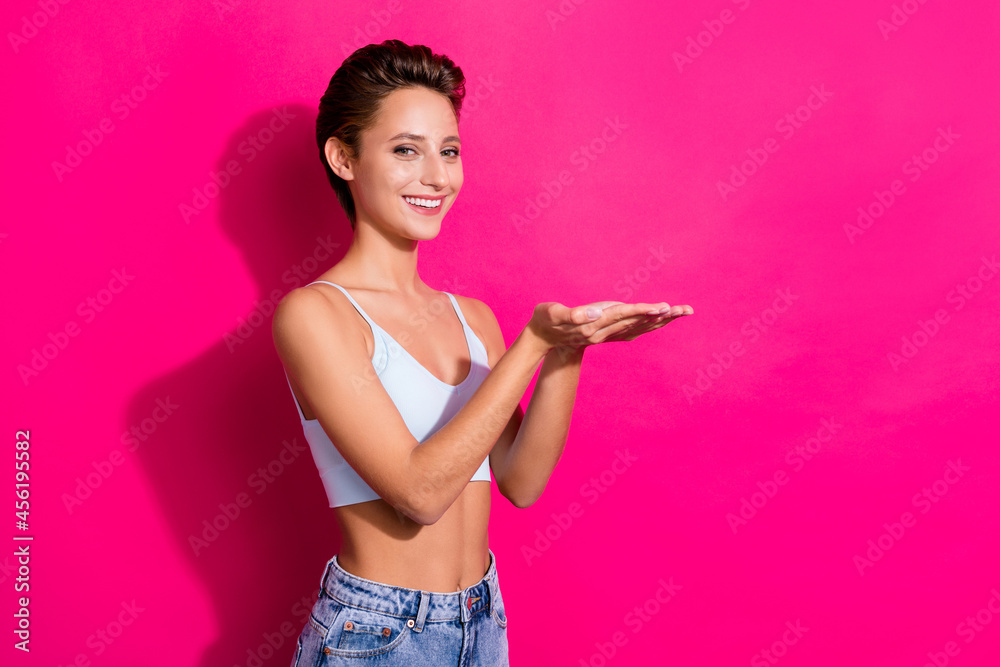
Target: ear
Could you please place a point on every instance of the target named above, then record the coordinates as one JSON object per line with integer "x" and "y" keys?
{"x": 339, "y": 159}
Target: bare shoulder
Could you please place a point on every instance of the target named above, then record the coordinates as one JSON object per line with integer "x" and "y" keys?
{"x": 484, "y": 323}
{"x": 300, "y": 305}
{"x": 309, "y": 309}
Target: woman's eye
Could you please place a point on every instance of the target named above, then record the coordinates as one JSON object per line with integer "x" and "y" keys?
{"x": 400, "y": 150}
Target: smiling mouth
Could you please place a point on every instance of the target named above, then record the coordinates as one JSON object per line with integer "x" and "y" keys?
{"x": 424, "y": 203}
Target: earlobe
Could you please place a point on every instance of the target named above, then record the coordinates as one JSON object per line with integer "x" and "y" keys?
{"x": 337, "y": 158}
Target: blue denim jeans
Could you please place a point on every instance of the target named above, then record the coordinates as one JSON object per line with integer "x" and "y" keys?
{"x": 356, "y": 621}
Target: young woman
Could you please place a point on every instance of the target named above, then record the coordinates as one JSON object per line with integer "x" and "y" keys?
{"x": 415, "y": 386}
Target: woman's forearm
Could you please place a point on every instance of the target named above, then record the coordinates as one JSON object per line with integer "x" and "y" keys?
{"x": 542, "y": 437}
{"x": 444, "y": 463}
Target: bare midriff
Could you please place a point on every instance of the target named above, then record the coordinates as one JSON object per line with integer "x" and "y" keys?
{"x": 449, "y": 555}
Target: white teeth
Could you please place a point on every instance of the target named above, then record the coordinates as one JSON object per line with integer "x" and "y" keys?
{"x": 424, "y": 203}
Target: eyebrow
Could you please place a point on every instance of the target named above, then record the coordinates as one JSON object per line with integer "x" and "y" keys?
{"x": 420, "y": 137}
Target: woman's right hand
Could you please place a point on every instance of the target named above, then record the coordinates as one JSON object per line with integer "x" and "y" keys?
{"x": 559, "y": 326}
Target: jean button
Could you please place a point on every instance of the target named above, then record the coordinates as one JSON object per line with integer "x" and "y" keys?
{"x": 348, "y": 625}
{"x": 385, "y": 632}
{"x": 409, "y": 623}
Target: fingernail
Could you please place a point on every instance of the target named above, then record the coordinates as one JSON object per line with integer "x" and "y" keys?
{"x": 593, "y": 313}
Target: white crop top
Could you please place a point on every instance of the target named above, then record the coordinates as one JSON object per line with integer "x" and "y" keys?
{"x": 425, "y": 403}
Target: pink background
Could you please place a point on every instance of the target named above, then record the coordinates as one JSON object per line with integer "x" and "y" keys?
{"x": 709, "y": 431}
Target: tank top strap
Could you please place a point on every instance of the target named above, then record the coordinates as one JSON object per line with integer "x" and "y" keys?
{"x": 470, "y": 336}
{"x": 380, "y": 357}
{"x": 294, "y": 400}
{"x": 351, "y": 299}
{"x": 458, "y": 311}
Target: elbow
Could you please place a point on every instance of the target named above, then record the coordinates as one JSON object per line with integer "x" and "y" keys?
{"x": 418, "y": 514}
{"x": 417, "y": 498}
{"x": 520, "y": 501}
{"x": 426, "y": 518}
{"x": 423, "y": 508}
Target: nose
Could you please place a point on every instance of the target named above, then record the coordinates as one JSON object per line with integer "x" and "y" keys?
{"x": 435, "y": 172}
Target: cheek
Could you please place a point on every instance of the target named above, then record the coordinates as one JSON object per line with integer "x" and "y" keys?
{"x": 400, "y": 174}
{"x": 390, "y": 184}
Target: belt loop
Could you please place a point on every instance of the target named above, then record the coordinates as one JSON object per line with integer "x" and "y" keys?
{"x": 425, "y": 600}
{"x": 494, "y": 578}
{"x": 326, "y": 573}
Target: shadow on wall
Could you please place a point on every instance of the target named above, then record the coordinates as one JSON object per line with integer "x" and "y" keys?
{"x": 225, "y": 453}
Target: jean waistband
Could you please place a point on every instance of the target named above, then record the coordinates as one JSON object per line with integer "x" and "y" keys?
{"x": 352, "y": 590}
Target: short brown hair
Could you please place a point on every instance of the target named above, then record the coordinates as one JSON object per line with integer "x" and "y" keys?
{"x": 354, "y": 97}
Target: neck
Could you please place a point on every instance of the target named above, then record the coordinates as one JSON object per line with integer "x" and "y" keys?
{"x": 381, "y": 262}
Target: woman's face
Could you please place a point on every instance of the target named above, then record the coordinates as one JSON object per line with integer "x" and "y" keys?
{"x": 412, "y": 151}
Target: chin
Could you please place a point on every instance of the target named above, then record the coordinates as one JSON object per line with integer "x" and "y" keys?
{"x": 428, "y": 233}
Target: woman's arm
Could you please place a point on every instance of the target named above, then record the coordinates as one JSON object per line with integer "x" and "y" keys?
{"x": 531, "y": 445}
{"x": 447, "y": 460}
{"x": 522, "y": 465}
{"x": 558, "y": 334}
{"x": 328, "y": 360}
